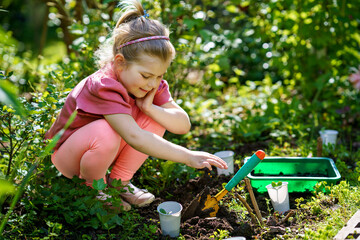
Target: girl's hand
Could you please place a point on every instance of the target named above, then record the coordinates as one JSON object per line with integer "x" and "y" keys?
{"x": 203, "y": 159}
{"x": 145, "y": 103}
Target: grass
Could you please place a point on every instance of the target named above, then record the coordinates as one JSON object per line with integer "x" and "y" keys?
{"x": 333, "y": 218}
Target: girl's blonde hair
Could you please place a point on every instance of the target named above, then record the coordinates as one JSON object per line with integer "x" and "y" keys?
{"x": 132, "y": 25}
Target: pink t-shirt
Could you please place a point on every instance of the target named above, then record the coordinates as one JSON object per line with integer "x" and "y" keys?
{"x": 98, "y": 95}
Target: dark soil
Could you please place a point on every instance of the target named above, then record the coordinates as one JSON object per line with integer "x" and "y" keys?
{"x": 203, "y": 227}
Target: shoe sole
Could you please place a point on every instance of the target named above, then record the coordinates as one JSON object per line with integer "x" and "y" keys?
{"x": 145, "y": 204}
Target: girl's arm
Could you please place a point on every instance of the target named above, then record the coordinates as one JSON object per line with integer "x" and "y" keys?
{"x": 153, "y": 145}
{"x": 169, "y": 115}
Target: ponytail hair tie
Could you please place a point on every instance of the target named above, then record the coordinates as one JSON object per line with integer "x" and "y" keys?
{"x": 142, "y": 40}
{"x": 146, "y": 15}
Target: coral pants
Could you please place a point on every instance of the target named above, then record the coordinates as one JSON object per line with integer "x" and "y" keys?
{"x": 94, "y": 148}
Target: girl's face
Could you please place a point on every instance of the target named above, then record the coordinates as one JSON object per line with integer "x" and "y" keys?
{"x": 139, "y": 78}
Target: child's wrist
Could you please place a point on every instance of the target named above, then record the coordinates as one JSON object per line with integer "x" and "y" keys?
{"x": 148, "y": 110}
{"x": 187, "y": 157}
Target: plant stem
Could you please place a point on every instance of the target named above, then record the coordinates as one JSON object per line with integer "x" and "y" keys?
{"x": 251, "y": 213}
{"x": 17, "y": 196}
{"x": 253, "y": 200}
{"x": 11, "y": 148}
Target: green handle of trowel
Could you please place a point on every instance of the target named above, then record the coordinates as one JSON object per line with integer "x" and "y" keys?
{"x": 245, "y": 169}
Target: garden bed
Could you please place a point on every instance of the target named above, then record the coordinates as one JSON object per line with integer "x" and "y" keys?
{"x": 58, "y": 212}
{"x": 198, "y": 227}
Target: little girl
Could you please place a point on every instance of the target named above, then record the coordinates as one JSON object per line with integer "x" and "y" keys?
{"x": 124, "y": 109}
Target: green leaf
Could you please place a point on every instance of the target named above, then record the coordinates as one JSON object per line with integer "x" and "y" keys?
{"x": 191, "y": 23}
{"x": 224, "y": 63}
{"x": 276, "y": 184}
{"x": 245, "y": 3}
{"x": 206, "y": 34}
{"x": 116, "y": 183}
{"x": 99, "y": 184}
{"x": 71, "y": 119}
{"x": 8, "y": 96}
{"x": 232, "y": 9}
{"x": 78, "y": 180}
{"x": 57, "y": 137}
{"x": 6, "y": 187}
{"x": 205, "y": 105}
{"x": 233, "y": 80}
{"x": 214, "y": 67}
{"x": 162, "y": 211}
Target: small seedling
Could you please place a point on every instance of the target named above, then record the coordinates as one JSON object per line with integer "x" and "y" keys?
{"x": 163, "y": 211}
{"x": 276, "y": 184}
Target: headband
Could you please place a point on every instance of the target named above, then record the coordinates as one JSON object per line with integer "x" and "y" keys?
{"x": 142, "y": 40}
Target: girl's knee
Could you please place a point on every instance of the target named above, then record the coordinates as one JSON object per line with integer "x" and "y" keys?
{"x": 66, "y": 169}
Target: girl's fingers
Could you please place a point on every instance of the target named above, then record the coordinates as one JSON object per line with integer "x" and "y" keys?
{"x": 217, "y": 163}
{"x": 207, "y": 160}
{"x": 207, "y": 165}
{"x": 153, "y": 92}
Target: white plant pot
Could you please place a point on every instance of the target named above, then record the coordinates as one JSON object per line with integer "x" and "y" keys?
{"x": 328, "y": 136}
{"x": 228, "y": 157}
{"x": 279, "y": 197}
{"x": 170, "y": 222}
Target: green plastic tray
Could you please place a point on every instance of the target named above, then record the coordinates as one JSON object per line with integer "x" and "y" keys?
{"x": 302, "y": 174}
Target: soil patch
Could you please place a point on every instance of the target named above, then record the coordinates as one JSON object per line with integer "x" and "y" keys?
{"x": 198, "y": 227}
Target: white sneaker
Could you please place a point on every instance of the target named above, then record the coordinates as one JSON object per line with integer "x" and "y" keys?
{"x": 138, "y": 197}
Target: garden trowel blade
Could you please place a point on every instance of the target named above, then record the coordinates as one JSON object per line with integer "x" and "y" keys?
{"x": 195, "y": 208}
{"x": 213, "y": 202}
